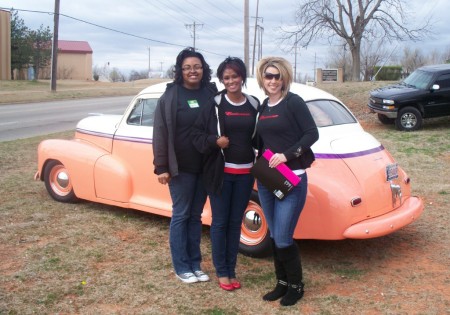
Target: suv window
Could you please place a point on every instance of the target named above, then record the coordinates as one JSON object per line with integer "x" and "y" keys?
{"x": 443, "y": 81}
{"x": 329, "y": 113}
{"x": 419, "y": 79}
{"x": 143, "y": 112}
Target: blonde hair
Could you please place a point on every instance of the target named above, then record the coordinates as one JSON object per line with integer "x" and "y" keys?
{"x": 282, "y": 65}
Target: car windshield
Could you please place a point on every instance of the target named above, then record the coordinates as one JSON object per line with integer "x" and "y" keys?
{"x": 419, "y": 79}
{"x": 143, "y": 112}
{"x": 329, "y": 113}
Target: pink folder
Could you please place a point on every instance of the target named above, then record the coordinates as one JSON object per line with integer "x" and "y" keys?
{"x": 283, "y": 169}
{"x": 280, "y": 180}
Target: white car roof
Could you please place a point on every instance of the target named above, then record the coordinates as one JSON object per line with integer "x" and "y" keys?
{"x": 308, "y": 93}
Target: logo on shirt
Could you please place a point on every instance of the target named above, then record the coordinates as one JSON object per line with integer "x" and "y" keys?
{"x": 237, "y": 114}
{"x": 262, "y": 117}
{"x": 193, "y": 103}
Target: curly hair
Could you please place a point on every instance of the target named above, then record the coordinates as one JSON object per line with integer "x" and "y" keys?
{"x": 186, "y": 53}
{"x": 282, "y": 65}
{"x": 235, "y": 64}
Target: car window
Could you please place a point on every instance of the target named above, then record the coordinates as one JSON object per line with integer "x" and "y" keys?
{"x": 329, "y": 113}
{"x": 142, "y": 113}
{"x": 443, "y": 81}
{"x": 419, "y": 79}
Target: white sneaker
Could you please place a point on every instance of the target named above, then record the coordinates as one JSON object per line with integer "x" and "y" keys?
{"x": 201, "y": 276}
{"x": 187, "y": 277}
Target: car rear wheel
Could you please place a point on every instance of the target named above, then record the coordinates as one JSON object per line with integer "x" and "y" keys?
{"x": 386, "y": 120}
{"x": 58, "y": 183}
{"x": 408, "y": 119}
{"x": 255, "y": 238}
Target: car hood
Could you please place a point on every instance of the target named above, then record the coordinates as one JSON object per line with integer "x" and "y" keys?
{"x": 99, "y": 124}
{"x": 394, "y": 90}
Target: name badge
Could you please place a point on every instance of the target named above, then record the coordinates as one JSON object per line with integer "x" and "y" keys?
{"x": 193, "y": 103}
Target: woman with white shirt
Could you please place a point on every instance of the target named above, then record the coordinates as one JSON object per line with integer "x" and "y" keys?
{"x": 223, "y": 133}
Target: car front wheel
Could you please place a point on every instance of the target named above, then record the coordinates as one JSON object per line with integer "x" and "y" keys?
{"x": 255, "y": 238}
{"x": 58, "y": 183}
{"x": 408, "y": 119}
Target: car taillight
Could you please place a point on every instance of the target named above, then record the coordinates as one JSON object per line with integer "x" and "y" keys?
{"x": 355, "y": 201}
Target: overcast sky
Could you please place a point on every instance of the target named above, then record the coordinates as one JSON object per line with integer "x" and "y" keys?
{"x": 125, "y": 31}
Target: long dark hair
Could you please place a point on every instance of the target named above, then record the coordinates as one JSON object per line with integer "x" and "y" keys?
{"x": 235, "y": 64}
{"x": 186, "y": 53}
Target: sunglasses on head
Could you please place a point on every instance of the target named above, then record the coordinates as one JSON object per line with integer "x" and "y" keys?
{"x": 270, "y": 76}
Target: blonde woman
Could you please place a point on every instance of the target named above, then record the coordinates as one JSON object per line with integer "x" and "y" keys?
{"x": 286, "y": 127}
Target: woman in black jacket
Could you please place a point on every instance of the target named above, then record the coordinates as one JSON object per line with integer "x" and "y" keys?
{"x": 223, "y": 133}
{"x": 286, "y": 127}
{"x": 179, "y": 164}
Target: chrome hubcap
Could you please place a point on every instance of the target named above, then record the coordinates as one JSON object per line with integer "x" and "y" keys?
{"x": 252, "y": 221}
{"x": 63, "y": 179}
{"x": 409, "y": 120}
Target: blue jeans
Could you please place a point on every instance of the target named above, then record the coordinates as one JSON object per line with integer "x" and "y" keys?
{"x": 282, "y": 215}
{"x": 227, "y": 208}
{"x": 188, "y": 198}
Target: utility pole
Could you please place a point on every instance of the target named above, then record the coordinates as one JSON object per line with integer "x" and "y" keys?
{"x": 246, "y": 31}
{"x": 193, "y": 26}
{"x": 55, "y": 47}
{"x": 254, "y": 39}
{"x": 260, "y": 31}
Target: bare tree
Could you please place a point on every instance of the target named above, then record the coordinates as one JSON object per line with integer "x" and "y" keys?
{"x": 412, "y": 59}
{"x": 372, "y": 54}
{"x": 338, "y": 57}
{"x": 446, "y": 55}
{"x": 353, "y": 21}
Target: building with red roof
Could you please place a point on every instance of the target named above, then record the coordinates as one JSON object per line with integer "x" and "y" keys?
{"x": 74, "y": 60}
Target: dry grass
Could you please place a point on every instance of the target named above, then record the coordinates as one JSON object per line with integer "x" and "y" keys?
{"x": 88, "y": 258}
{"x": 33, "y": 91}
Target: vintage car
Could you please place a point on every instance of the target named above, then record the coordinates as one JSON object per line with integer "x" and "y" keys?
{"x": 356, "y": 189}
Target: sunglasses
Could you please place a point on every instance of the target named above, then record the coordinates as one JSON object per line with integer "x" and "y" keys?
{"x": 269, "y": 76}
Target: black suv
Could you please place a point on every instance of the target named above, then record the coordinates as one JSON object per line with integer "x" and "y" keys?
{"x": 425, "y": 93}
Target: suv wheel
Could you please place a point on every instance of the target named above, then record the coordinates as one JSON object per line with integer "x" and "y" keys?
{"x": 385, "y": 120}
{"x": 408, "y": 119}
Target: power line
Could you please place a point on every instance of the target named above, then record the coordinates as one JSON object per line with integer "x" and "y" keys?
{"x": 216, "y": 16}
{"x": 169, "y": 5}
{"x": 113, "y": 30}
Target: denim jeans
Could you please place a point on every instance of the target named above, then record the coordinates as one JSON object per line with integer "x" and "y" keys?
{"x": 228, "y": 208}
{"x": 282, "y": 215}
{"x": 188, "y": 198}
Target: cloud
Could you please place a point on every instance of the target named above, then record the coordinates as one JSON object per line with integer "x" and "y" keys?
{"x": 219, "y": 29}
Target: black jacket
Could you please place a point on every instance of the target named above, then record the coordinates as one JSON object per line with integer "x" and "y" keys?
{"x": 299, "y": 155}
{"x": 204, "y": 136}
{"x": 164, "y": 126}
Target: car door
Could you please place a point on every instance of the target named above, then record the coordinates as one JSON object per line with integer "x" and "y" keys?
{"x": 133, "y": 146}
{"x": 439, "y": 101}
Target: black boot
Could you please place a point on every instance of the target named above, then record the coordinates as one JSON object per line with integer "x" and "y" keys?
{"x": 292, "y": 265}
{"x": 294, "y": 294}
{"x": 282, "y": 285}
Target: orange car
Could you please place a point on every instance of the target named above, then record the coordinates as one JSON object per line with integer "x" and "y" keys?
{"x": 355, "y": 187}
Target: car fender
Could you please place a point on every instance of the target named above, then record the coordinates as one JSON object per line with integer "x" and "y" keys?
{"x": 113, "y": 181}
{"x": 78, "y": 157}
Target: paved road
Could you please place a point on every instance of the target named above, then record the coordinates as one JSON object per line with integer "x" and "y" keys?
{"x": 18, "y": 121}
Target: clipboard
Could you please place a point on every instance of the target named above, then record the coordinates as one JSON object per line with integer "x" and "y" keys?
{"x": 280, "y": 180}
